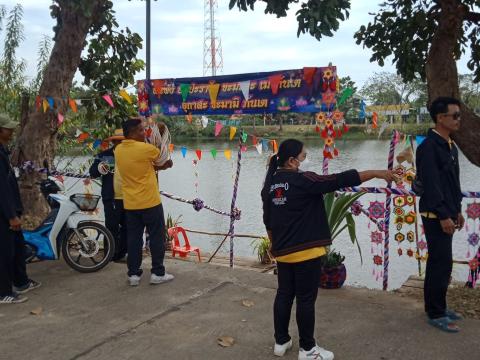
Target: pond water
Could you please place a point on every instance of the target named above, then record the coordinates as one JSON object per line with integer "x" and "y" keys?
{"x": 215, "y": 185}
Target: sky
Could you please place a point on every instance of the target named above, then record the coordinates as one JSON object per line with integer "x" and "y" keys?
{"x": 251, "y": 41}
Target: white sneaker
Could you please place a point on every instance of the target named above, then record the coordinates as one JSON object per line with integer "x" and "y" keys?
{"x": 155, "y": 279}
{"x": 280, "y": 350}
{"x": 316, "y": 352}
{"x": 134, "y": 280}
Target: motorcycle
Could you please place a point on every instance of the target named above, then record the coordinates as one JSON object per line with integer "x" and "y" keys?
{"x": 70, "y": 229}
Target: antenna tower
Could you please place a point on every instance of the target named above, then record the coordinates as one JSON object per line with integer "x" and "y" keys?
{"x": 212, "y": 44}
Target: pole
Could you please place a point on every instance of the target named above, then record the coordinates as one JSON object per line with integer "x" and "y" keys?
{"x": 148, "y": 40}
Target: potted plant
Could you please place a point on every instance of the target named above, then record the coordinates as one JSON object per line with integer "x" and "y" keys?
{"x": 334, "y": 272}
{"x": 337, "y": 206}
{"x": 170, "y": 222}
{"x": 261, "y": 246}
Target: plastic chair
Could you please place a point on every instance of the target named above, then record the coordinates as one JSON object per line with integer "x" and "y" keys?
{"x": 177, "y": 248}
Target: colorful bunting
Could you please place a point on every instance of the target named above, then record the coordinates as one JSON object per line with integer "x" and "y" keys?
{"x": 123, "y": 93}
{"x": 245, "y": 87}
{"x": 184, "y": 90}
{"x": 108, "y": 99}
{"x": 233, "y": 130}
{"x": 170, "y": 147}
{"x": 244, "y": 137}
{"x": 218, "y": 128}
{"x": 51, "y": 102}
{"x": 346, "y": 93}
{"x": 275, "y": 82}
{"x": 60, "y": 119}
{"x": 227, "y": 153}
{"x": 199, "y": 154}
{"x": 73, "y": 105}
{"x": 45, "y": 105}
{"x": 204, "y": 120}
{"x": 213, "y": 90}
{"x": 184, "y": 151}
{"x": 214, "y": 153}
{"x": 259, "y": 148}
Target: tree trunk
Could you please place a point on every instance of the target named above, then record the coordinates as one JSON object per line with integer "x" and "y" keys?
{"x": 442, "y": 75}
{"x": 38, "y": 135}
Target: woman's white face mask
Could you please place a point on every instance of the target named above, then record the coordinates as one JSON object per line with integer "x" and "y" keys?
{"x": 303, "y": 165}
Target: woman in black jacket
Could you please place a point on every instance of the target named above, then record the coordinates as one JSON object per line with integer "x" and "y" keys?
{"x": 296, "y": 221}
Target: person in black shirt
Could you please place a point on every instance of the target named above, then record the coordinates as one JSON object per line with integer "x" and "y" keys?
{"x": 440, "y": 206}
{"x": 13, "y": 272}
{"x": 297, "y": 226}
{"x": 103, "y": 166}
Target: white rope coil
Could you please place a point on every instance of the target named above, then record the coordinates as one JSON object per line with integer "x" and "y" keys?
{"x": 161, "y": 141}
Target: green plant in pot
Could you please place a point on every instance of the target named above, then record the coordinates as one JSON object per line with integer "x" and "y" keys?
{"x": 261, "y": 246}
{"x": 169, "y": 223}
{"x": 340, "y": 219}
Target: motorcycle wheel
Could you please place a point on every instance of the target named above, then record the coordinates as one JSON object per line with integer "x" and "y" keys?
{"x": 91, "y": 253}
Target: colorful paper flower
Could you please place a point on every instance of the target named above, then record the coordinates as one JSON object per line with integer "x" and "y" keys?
{"x": 337, "y": 116}
{"x": 400, "y": 251}
{"x": 327, "y": 73}
{"x": 409, "y": 176}
{"x": 473, "y": 210}
{"x": 399, "y": 226}
{"x": 410, "y": 218}
{"x": 376, "y": 237}
{"x": 473, "y": 239}
{"x": 422, "y": 245}
{"x": 399, "y": 170}
{"x": 410, "y": 252}
{"x": 377, "y": 260}
{"x": 410, "y": 236}
{"x": 321, "y": 117}
{"x": 399, "y": 201}
{"x": 398, "y": 211}
{"x": 329, "y": 123}
{"x": 410, "y": 200}
{"x": 143, "y": 106}
{"x": 376, "y": 209}
{"x": 473, "y": 264}
{"x": 328, "y": 98}
{"x": 399, "y": 220}
{"x": 356, "y": 208}
{"x": 399, "y": 237}
{"x": 329, "y": 141}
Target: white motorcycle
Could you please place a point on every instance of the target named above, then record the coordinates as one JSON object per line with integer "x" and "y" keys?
{"x": 72, "y": 229}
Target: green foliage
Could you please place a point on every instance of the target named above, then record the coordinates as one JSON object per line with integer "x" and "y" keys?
{"x": 337, "y": 207}
{"x": 44, "y": 50}
{"x": 261, "y": 247}
{"x": 12, "y": 76}
{"x": 332, "y": 259}
{"x": 317, "y": 17}
{"x": 389, "y": 89}
{"x": 169, "y": 223}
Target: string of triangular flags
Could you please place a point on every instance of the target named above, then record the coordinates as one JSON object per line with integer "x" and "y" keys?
{"x": 61, "y": 105}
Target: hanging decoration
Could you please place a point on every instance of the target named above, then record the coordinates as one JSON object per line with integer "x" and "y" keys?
{"x": 472, "y": 228}
{"x": 473, "y": 270}
{"x": 376, "y": 211}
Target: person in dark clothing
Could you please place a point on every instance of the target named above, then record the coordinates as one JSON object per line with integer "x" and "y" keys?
{"x": 112, "y": 198}
{"x": 441, "y": 207}
{"x": 13, "y": 271}
{"x": 297, "y": 226}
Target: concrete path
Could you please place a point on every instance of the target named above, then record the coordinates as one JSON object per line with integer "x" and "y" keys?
{"x": 97, "y": 316}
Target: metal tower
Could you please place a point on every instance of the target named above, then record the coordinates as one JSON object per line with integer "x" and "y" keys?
{"x": 212, "y": 44}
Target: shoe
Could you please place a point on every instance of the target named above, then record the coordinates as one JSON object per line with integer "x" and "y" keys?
{"x": 13, "y": 299}
{"x": 280, "y": 350}
{"x": 316, "y": 352}
{"x": 452, "y": 315}
{"x": 32, "y": 284}
{"x": 134, "y": 280}
{"x": 444, "y": 324}
{"x": 155, "y": 279}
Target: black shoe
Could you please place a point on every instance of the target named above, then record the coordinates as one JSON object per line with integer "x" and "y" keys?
{"x": 32, "y": 284}
{"x": 12, "y": 299}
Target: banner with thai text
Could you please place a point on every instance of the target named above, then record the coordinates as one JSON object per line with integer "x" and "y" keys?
{"x": 307, "y": 90}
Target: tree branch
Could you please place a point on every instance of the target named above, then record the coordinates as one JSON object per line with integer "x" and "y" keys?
{"x": 472, "y": 16}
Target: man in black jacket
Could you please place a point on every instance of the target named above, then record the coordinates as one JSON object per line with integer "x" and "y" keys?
{"x": 13, "y": 273}
{"x": 103, "y": 166}
{"x": 440, "y": 207}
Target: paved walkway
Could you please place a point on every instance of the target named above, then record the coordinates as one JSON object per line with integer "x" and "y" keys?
{"x": 96, "y": 316}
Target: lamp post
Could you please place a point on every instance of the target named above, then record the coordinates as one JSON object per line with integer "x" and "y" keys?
{"x": 148, "y": 40}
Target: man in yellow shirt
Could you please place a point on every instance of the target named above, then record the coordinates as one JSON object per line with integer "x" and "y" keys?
{"x": 141, "y": 199}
